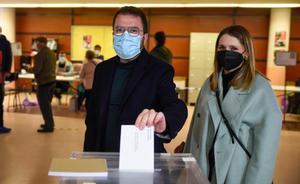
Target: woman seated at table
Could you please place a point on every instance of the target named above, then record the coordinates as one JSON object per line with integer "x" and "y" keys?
{"x": 63, "y": 67}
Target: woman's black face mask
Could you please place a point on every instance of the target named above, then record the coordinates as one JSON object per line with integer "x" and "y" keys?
{"x": 229, "y": 59}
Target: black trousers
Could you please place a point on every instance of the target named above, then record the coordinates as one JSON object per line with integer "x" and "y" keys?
{"x": 44, "y": 96}
{"x": 87, "y": 97}
{"x": 2, "y": 92}
{"x": 61, "y": 87}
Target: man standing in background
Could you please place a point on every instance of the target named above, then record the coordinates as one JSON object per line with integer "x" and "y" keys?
{"x": 44, "y": 72}
{"x": 5, "y": 66}
{"x": 160, "y": 51}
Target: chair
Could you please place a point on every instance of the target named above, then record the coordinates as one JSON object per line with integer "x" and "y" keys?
{"x": 77, "y": 68}
{"x": 11, "y": 90}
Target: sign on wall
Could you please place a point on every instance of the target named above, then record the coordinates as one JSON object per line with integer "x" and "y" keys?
{"x": 280, "y": 39}
{"x": 285, "y": 58}
{"x": 16, "y": 48}
{"x": 84, "y": 38}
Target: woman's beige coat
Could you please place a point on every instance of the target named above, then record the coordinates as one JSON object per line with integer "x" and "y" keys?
{"x": 256, "y": 119}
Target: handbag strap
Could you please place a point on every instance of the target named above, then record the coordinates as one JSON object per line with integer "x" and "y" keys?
{"x": 231, "y": 132}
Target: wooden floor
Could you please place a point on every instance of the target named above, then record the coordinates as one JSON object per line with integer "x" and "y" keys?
{"x": 25, "y": 155}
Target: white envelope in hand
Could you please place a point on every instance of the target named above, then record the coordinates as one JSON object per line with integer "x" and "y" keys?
{"x": 137, "y": 149}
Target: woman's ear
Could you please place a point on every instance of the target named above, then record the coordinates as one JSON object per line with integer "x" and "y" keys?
{"x": 245, "y": 56}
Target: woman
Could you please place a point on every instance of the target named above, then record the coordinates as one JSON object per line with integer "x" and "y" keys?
{"x": 235, "y": 142}
{"x": 87, "y": 76}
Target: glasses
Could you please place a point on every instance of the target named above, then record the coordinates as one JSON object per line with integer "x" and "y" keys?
{"x": 133, "y": 31}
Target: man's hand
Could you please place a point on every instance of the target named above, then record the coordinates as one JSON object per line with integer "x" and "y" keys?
{"x": 151, "y": 118}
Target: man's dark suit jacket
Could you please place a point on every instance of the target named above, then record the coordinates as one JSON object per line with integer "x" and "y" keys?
{"x": 150, "y": 86}
{"x": 6, "y": 54}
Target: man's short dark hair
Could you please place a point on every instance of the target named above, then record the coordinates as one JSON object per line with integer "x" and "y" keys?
{"x": 97, "y": 47}
{"x": 41, "y": 39}
{"x": 160, "y": 37}
{"x": 131, "y": 10}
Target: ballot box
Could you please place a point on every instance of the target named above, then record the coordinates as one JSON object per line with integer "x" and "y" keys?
{"x": 169, "y": 169}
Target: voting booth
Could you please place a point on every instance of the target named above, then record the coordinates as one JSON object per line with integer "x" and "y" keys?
{"x": 168, "y": 169}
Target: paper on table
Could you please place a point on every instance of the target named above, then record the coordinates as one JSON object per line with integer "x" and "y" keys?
{"x": 137, "y": 149}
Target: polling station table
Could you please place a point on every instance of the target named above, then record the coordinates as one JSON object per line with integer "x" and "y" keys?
{"x": 169, "y": 169}
{"x": 58, "y": 77}
{"x": 73, "y": 80}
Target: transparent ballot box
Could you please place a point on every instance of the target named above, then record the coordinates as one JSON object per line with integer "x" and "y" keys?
{"x": 169, "y": 169}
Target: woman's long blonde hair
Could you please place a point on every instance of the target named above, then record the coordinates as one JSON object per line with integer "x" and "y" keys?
{"x": 245, "y": 76}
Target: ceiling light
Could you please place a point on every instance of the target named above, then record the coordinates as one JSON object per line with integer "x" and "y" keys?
{"x": 156, "y": 5}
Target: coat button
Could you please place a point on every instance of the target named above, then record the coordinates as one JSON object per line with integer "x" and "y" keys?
{"x": 198, "y": 115}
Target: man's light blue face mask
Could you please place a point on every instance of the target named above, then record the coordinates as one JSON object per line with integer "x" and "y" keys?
{"x": 127, "y": 46}
{"x": 61, "y": 59}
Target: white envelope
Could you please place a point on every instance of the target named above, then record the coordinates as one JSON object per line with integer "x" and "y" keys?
{"x": 137, "y": 149}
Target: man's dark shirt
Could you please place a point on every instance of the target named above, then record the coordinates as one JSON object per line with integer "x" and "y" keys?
{"x": 112, "y": 133}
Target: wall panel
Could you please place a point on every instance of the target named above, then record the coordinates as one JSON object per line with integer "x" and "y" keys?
{"x": 252, "y": 11}
{"x": 191, "y": 11}
{"x": 295, "y": 26}
{"x": 258, "y": 26}
{"x": 181, "y": 67}
{"x": 261, "y": 66}
{"x": 103, "y": 11}
{"x": 43, "y": 11}
{"x": 26, "y": 40}
{"x": 295, "y": 46}
{"x": 293, "y": 72}
{"x": 176, "y": 22}
{"x": 183, "y": 25}
{"x": 260, "y": 48}
{"x": 178, "y": 45}
{"x": 43, "y": 24}
{"x": 93, "y": 20}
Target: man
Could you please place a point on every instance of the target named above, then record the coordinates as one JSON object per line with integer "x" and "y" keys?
{"x": 98, "y": 55}
{"x": 160, "y": 51}
{"x": 44, "y": 72}
{"x": 63, "y": 67}
{"x": 132, "y": 88}
{"x": 5, "y": 66}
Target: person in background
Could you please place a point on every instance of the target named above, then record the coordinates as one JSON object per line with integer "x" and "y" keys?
{"x": 132, "y": 88}
{"x": 5, "y": 66}
{"x": 44, "y": 72}
{"x": 87, "y": 76}
{"x": 63, "y": 67}
{"x": 235, "y": 130}
{"x": 97, "y": 51}
{"x": 160, "y": 51}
